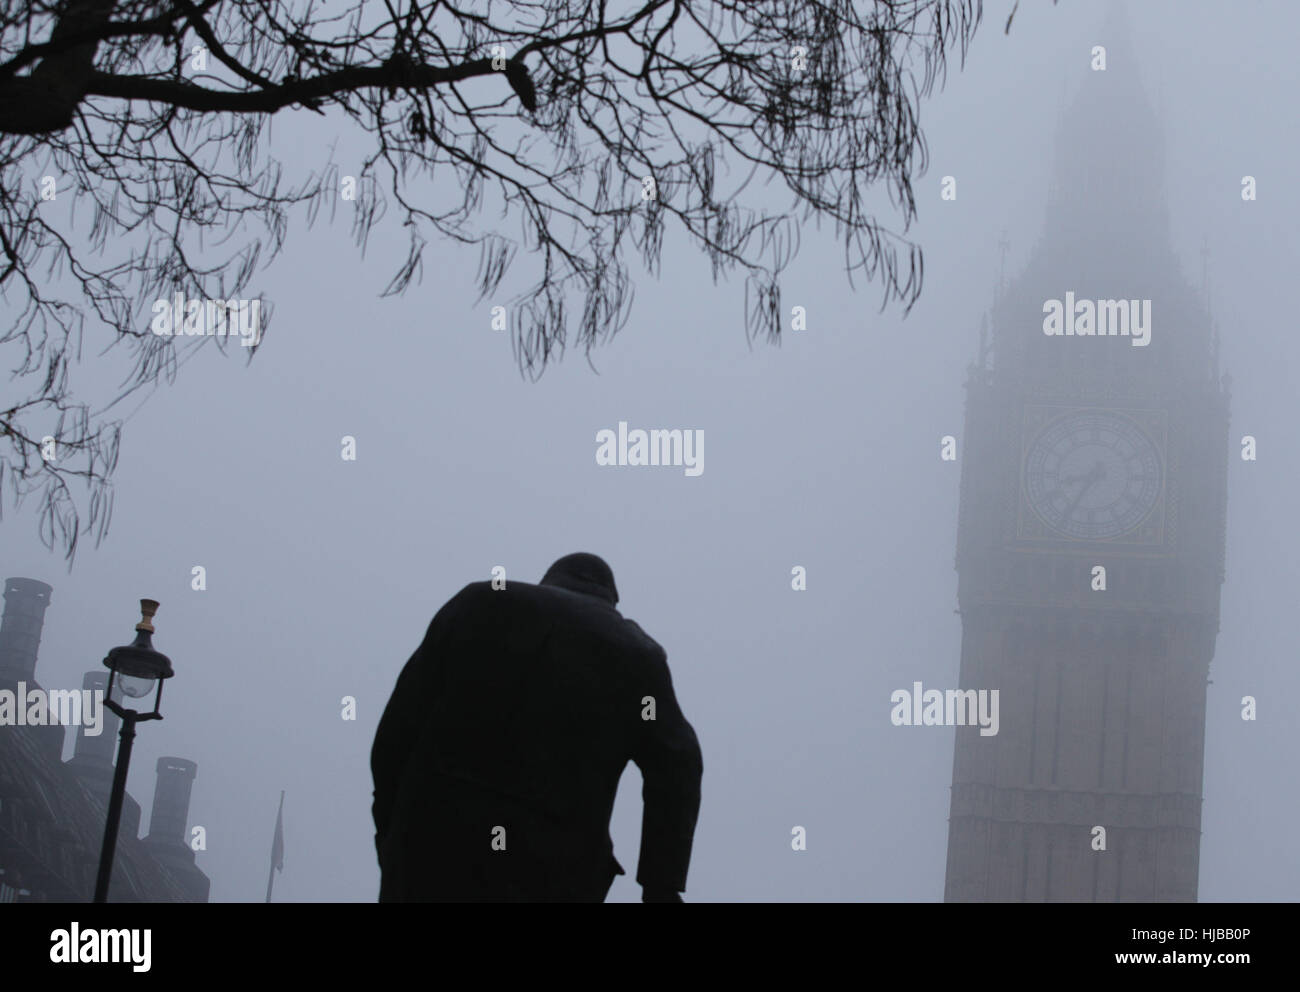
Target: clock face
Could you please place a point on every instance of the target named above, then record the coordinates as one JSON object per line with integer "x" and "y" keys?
{"x": 1092, "y": 475}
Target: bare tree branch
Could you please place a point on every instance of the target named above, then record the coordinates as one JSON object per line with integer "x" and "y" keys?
{"x": 587, "y": 127}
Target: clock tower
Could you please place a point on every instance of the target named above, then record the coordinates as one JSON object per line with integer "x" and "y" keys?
{"x": 1090, "y": 547}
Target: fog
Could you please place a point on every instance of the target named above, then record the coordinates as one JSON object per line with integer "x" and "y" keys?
{"x": 825, "y": 452}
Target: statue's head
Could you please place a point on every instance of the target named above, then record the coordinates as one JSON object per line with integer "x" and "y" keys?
{"x": 584, "y": 573}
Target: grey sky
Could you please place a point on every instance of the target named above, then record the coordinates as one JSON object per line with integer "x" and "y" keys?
{"x": 323, "y": 574}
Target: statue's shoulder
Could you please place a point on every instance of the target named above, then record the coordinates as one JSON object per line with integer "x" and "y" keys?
{"x": 644, "y": 640}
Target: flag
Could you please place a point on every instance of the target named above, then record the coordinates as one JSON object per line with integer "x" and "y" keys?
{"x": 277, "y": 849}
{"x": 277, "y": 845}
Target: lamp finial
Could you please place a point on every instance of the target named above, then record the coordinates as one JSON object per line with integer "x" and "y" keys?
{"x": 148, "y": 607}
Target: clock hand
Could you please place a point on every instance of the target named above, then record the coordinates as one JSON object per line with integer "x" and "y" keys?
{"x": 1092, "y": 479}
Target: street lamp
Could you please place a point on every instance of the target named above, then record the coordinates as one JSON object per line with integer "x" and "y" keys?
{"x": 135, "y": 668}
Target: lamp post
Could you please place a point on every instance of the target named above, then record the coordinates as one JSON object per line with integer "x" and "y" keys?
{"x": 136, "y": 668}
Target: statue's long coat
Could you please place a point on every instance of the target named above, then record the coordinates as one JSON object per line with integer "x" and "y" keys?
{"x": 498, "y": 757}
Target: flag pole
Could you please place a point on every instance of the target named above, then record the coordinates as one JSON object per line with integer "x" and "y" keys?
{"x": 277, "y": 848}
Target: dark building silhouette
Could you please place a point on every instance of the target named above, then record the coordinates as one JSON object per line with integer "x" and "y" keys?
{"x": 52, "y": 812}
{"x": 1085, "y": 451}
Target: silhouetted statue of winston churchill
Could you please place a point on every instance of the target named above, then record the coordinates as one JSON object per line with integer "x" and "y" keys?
{"x": 498, "y": 757}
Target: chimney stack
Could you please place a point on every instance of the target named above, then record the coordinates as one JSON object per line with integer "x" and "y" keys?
{"x": 171, "y": 812}
{"x": 20, "y": 628}
{"x": 171, "y": 801}
{"x": 92, "y": 757}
